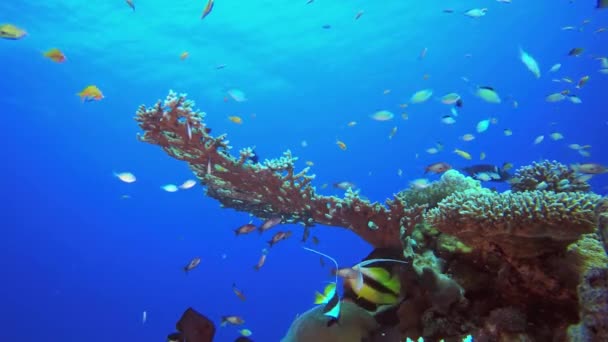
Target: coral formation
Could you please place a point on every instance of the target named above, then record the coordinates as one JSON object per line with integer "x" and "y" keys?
{"x": 549, "y": 176}
{"x": 265, "y": 190}
{"x": 601, "y": 212}
{"x": 524, "y": 265}
{"x": 451, "y": 181}
{"x": 521, "y": 224}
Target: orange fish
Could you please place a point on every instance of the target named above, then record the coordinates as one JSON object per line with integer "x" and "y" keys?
{"x": 131, "y": 4}
{"x": 208, "y": 9}
{"x": 90, "y": 93}
{"x": 440, "y": 167}
{"x": 245, "y": 229}
{"x": 184, "y": 55}
{"x": 279, "y": 236}
{"x": 262, "y": 260}
{"x": 55, "y": 55}
{"x": 341, "y": 145}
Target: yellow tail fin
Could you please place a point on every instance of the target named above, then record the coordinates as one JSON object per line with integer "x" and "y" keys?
{"x": 319, "y": 298}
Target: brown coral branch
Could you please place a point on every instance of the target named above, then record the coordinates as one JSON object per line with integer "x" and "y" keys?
{"x": 264, "y": 190}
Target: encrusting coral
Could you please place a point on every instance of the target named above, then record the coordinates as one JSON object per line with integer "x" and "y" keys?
{"x": 549, "y": 176}
{"x": 524, "y": 265}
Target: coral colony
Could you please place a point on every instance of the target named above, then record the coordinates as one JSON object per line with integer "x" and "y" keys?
{"x": 526, "y": 264}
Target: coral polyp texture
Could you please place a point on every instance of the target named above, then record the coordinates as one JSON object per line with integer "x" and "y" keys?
{"x": 549, "y": 176}
{"x": 521, "y": 224}
{"x": 271, "y": 189}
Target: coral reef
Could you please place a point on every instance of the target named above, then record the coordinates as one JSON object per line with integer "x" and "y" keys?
{"x": 524, "y": 265}
{"x": 593, "y": 298}
{"x": 549, "y": 176}
{"x": 601, "y": 212}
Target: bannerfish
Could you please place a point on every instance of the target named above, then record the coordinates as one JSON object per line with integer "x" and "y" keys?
{"x": 376, "y": 285}
{"x": 329, "y": 298}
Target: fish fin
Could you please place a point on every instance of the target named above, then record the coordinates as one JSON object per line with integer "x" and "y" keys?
{"x": 328, "y": 291}
{"x": 357, "y": 283}
{"x": 373, "y": 261}
{"x": 320, "y": 298}
{"x": 327, "y": 256}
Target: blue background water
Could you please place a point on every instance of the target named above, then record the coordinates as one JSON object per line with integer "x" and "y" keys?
{"x": 82, "y": 264}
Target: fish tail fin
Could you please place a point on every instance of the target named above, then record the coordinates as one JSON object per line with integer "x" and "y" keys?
{"x": 319, "y": 298}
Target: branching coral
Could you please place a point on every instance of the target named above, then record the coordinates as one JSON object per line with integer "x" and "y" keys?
{"x": 521, "y": 224}
{"x": 549, "y": 176}
{"x": 265, "y": 190}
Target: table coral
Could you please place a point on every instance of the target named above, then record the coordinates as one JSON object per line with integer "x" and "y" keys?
{"x": 521, "y": 224}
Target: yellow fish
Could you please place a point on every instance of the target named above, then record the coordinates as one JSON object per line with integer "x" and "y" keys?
{"x": 341, "y": 145}
{"x": 463, "y": 154}
{"x": 10, "y": 31}
{"x": 236, "y": 119}
{"x": 90, "y": 93}
{"x": 55, "y": 55}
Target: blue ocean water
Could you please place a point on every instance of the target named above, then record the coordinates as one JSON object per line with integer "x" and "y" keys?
{"x": 82, "y": 263}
